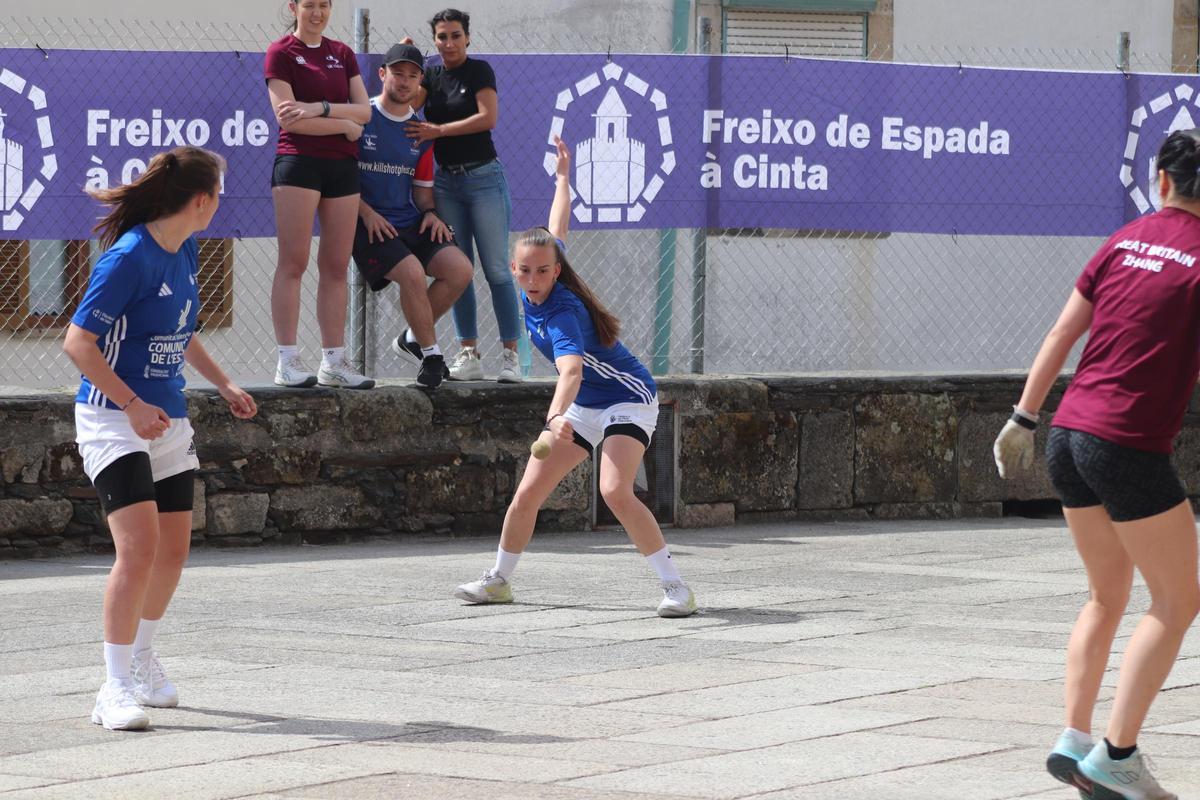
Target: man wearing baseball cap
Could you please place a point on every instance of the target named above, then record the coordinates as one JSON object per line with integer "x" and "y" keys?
{"x": 400, "y": 237}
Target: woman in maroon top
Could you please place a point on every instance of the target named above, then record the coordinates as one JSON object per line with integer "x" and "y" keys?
{"x": 1108, "y": 456}
{"x": 321, "y": 104}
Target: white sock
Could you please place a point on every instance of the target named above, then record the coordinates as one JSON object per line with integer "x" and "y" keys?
{"x": 331, "y": 356}
{"x": 664, "y": 566}
{"x": 287, "y": 351}
{"x": 117, "y": 660}
{"x": 145, "y": 635}
{"x": 408, "y": 336}
{"x": 432, "y": 350}
{"x": 506, "y": 563}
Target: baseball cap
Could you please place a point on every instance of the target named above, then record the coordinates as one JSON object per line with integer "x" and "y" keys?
{"x": 404, "y": 52}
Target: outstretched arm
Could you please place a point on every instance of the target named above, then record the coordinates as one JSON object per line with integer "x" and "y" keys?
{"x": 560, "y": 209}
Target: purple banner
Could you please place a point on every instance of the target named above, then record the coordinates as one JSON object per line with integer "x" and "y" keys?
{"x": 659, "y": 141}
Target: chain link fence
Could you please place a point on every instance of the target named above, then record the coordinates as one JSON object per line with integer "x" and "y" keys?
{"x": 771, "y": 299}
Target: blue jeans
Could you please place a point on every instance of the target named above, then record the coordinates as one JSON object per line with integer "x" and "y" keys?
{"x": 477, "y": 205}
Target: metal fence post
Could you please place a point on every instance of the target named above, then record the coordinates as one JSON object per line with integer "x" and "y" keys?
{"x": 1123, "y": 51}
{"x": 361, "y": 348}
{"x": 700, "y": 242}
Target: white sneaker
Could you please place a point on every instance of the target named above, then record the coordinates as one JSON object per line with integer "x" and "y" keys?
{"x": 150, "y": 685}
{"x": 117, "y": 709}
{"x": 510, "y": 367}
{"x": 678, "y": 600}
{"x": 293, "y": 373}
{"x": 491, "y": 588}
{"x": 466, "y": 366}
{"x": 342, "y": 376}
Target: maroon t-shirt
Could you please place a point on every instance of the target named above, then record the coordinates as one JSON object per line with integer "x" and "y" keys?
{"x": 1139, "y": 366}
{"x": 315, "y": 74}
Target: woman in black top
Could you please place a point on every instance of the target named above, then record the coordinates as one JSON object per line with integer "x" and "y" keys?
{"x": 471, "y": 192}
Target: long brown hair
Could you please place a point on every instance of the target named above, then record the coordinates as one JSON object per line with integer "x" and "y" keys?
{"x": 608, "y": 326}
{"x": 170, "y": 181}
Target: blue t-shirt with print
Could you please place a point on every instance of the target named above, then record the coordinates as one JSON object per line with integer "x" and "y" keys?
{"x": 390, "y": 164}
{"x": 142, "y": 303}
{"x": 562, "y": 326}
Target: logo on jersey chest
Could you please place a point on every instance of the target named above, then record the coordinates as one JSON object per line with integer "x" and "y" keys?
{"x": 183, "y": 316}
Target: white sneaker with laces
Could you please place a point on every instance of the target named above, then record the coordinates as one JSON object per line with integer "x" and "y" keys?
{"x": 342, "y": 376}
{"x": 117, "y": 709}
{"x": 510, "y": 367}
{"x": 466, "y": 366}
{"x": 294, "y": 374}
{"x": 1128, "y": 778}
{"x": 491, "y": 588}
{"x": 678, "y": 600}
{"x": 150, "y": 685}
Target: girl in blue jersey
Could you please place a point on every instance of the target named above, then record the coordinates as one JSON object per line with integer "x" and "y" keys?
{"x": 604, "y": 394}
{"x": 130, "y": 337}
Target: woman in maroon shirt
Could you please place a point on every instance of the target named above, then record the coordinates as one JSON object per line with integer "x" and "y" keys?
{"x": 1108, "y": 456}
{"x": 321, "y": 104}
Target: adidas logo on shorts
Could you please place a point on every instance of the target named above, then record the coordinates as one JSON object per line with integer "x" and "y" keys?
{"x": 164, "y": 290}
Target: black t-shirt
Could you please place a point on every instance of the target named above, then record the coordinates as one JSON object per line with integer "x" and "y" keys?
{"x": 451, "y": 98}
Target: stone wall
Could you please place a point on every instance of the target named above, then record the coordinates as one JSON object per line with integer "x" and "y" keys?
{"x": 329, "y": 466}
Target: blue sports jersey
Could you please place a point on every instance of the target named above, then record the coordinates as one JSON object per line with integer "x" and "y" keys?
{"x": 390, "y": 164}
{"x": 562, "y": 326}
{"x": 142, "y": 302}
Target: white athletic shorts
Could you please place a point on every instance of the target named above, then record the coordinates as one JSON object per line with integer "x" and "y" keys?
{"x": 104, "y": 435}
{"x": 591, "y": 422}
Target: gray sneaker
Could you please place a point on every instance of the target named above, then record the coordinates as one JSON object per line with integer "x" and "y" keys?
{"x": 1126, "y": 779}
{"x": 1064, "y": 758}
{"x": 292, "y": 373}
{"x": 491, "y": 588}
{"x": 343, "y": 376}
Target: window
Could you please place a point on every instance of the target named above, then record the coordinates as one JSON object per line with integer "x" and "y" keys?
{"x": 797, "y": 33}
{"x": 42, "y": 282}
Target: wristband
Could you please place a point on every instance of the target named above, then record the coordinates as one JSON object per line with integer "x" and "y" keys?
{"x": 325, "y": 108}
{"x": 1022, "y": 419}
{"x": 128, "y": 403}
{"x": 431, "y": 211}
{"x": 551, "y": 419}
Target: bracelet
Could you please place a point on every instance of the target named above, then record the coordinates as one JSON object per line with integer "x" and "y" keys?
{"x": 549, "y": 420}
{"x": 431, "y": 211}
{"x": 1023, "y": 419}
{"x": 325, "y": 108}
{"x": 128, "y": 403}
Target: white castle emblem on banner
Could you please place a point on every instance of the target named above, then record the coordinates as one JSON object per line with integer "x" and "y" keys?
{"x": 1182, "y": 120}
{"x": 17, "y": 197}
{"x": 611, "y": 169}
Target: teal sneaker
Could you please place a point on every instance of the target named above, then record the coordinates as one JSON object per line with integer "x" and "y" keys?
{"x": 491, "y": 588}
{"x": 1126, "y": 779}
{"x": 1063, "y": 761}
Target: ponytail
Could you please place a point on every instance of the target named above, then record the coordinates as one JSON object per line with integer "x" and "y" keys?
{"x": 170, "y": 181}
{"x": 1179, "y": 157}
{"x": 607, "y": 325}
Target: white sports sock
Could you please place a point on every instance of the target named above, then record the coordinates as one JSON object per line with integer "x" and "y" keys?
{"x": 117, "y": 660}
{"x": 145, "y": 635}
{"x": 506, "y": 563}
{"x": 663, "y": 565}
{"x": 408, "y": 336}
{"x": 1079, "y": 738}
{"x": 432, "y": 350}
{"x": 287, "y": 351}
{"x": 331, "y": 356}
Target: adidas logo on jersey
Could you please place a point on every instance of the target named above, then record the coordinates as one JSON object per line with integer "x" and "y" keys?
{"x": 164, "y": 290}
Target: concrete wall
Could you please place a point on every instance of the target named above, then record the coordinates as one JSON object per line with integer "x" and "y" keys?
{"x": 328, "y": 466}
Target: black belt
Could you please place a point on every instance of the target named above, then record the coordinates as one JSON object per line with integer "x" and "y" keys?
{"x": 463, "y": 169}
